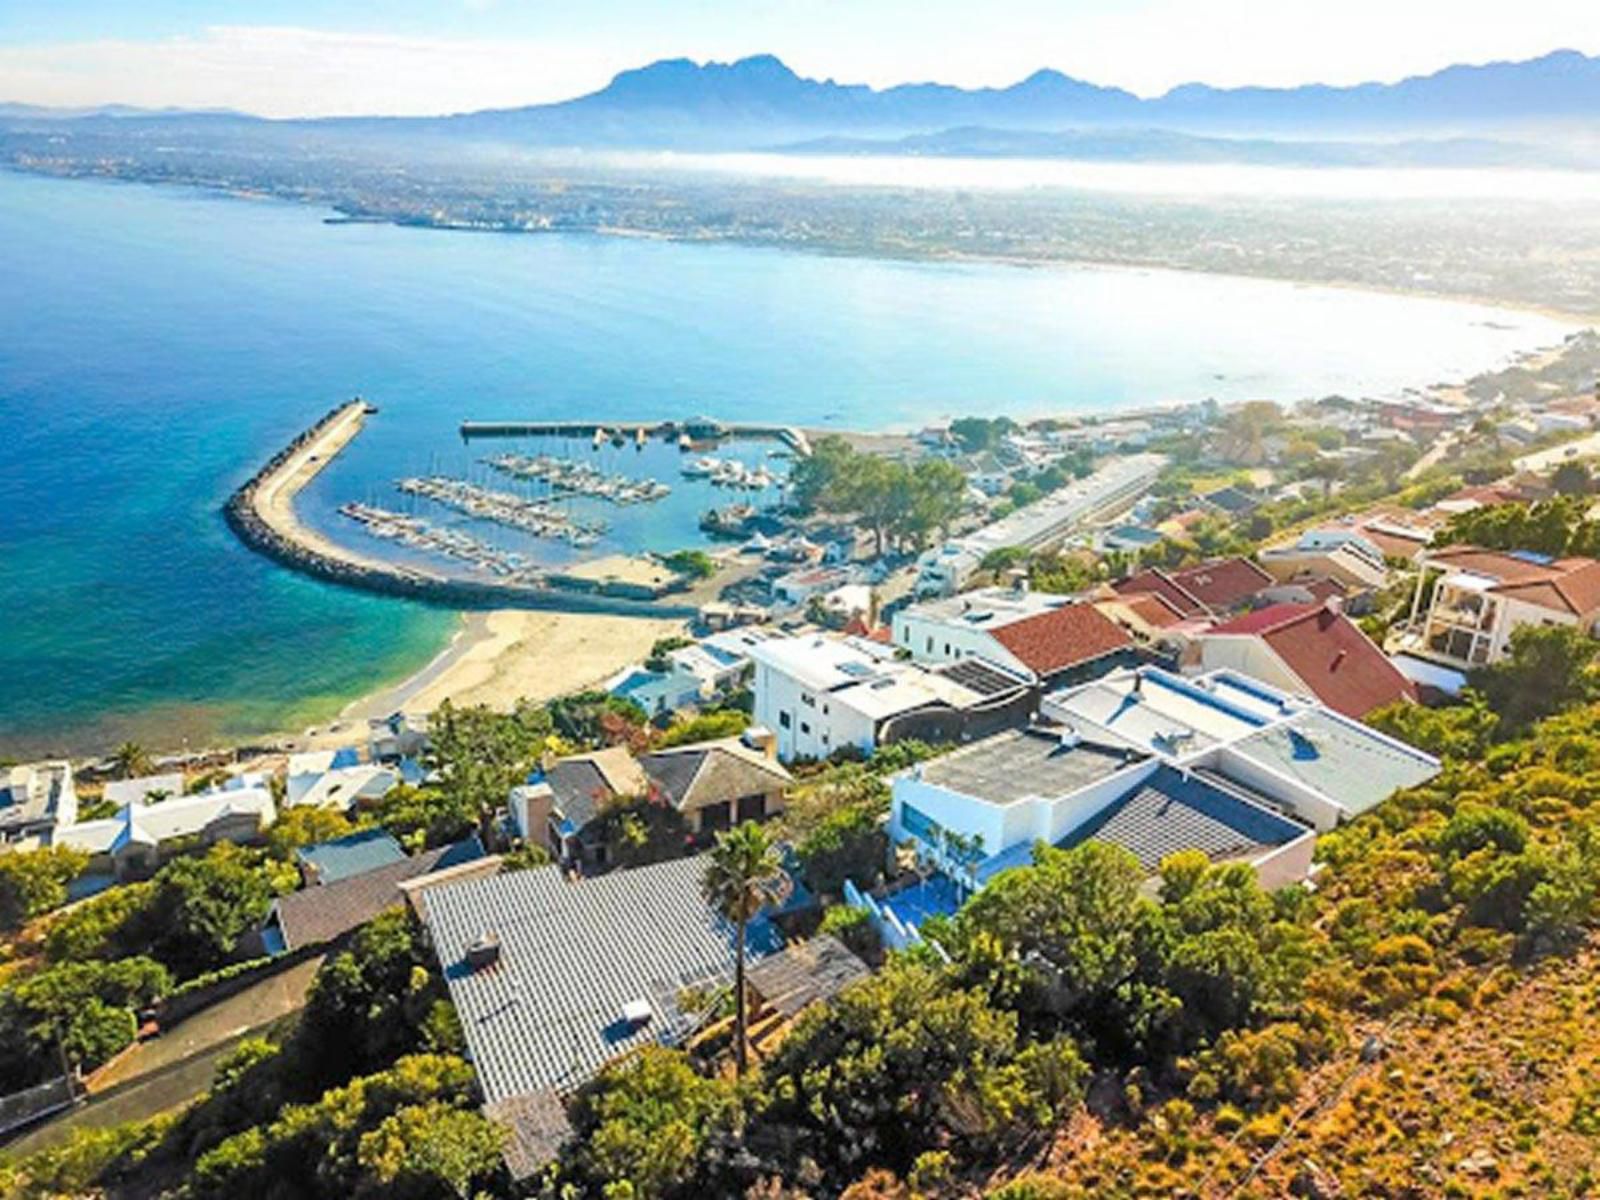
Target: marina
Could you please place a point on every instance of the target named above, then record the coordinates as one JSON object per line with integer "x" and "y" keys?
{"x": 576, "y": 478}
{"x": 503, "y": 508}
{"x": 420, "y": 534}
{"x": 729, "y": 473}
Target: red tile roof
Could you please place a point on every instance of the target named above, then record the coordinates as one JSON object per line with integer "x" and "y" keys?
{"x": 1064, "y": 637}
{"x": 1210, "y": 587}
{"x": 1328, "y": 653}
{"x": 1153, "y": 609}
{"x": 1569, "y": 585}
{"x": 1224, "y": 583}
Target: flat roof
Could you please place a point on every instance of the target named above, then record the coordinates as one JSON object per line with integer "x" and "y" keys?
{"x": 1352, "y": 765}
{"x": 1023, "y": 763}
{"x": 1163, "y": 713}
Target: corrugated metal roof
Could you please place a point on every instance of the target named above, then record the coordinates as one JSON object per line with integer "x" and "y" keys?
{"x": 548, "y": 1012}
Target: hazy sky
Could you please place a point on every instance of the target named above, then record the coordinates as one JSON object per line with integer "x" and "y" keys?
{"x": 286, "y": 57}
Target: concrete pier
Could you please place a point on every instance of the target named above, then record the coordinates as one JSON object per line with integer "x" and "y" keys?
{"x": 705, "y": 429}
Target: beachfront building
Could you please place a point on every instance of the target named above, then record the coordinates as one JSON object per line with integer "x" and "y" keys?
{"x": 946, "y": 569}
{"x": 821, "y": 694}
{"x": 145, "y": 789}
{"x": 1308, "y": 650}
{"x": 1035, "y": 635}
{"x": 693, "y": 674}
{"x": 140, "y": 837}
{"x": 336, "y": 779}
{"x": 1481, "y": 597}
{"x": 36, "y": 800}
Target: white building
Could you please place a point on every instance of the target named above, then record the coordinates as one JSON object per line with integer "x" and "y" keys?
{"x": 943, "y": 571}
{"x": 1482, "y": 597}
{"x": 1035, "y": 635}
{"x": 694, "y": 674}
{"x": 820, "y": 694}
{"x": 132, "y": 842}
{"x": 36, "y": 799}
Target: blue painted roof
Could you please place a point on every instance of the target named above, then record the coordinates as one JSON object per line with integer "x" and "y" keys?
{"x": 354, "y": 854}
{"x": 347, "y": 757}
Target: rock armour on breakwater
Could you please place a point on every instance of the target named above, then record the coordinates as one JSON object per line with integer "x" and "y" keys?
{"x": 243, "y": 514}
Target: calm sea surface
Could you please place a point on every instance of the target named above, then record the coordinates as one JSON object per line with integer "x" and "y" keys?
{"x": 157, "y": 344}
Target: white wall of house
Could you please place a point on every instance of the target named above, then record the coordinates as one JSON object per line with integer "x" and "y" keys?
{"x": 1311, "y": 807}
{"x": 808, "y": 724}
{"x": 937, "y": 641}
{"x": 1003, "y": 826}
{"x": 1250, "y": 656}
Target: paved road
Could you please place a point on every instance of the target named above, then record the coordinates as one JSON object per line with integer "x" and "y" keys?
{"x": 173, "y": 1069}
{"x": 1545, "y": 460}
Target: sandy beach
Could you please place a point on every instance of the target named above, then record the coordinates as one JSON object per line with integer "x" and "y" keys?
{"x": 500, "y": 657}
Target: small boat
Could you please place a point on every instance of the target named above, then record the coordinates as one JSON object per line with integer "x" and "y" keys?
{"x": 685, "y": 442}
{"x": 638, "y": 438}
{"x": 701, "y": 467}
{"x": 599, "y": 437}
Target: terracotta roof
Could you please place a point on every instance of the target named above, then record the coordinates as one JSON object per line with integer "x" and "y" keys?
{"x": 1157, "y": 582}
{"x": 1152, "y": 608}
{"x": 1053, "y": 641}
{"x": 1212, "y": 587}
{"x": 1328, "y": 653}
{"x": 1570, "y": 585}
{"x": 1224, "y": 583}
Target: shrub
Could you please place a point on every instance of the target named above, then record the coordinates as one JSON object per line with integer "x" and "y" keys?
{"x": 35, "y": 881}
{"x": 854, "y": 927}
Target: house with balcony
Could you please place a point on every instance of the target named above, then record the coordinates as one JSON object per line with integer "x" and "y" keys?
{"x": 1479, "y": 598}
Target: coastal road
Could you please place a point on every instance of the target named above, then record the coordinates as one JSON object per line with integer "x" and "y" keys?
{"x": 1548, "y": 460}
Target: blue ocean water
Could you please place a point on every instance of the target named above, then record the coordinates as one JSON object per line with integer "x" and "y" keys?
{"x": 157, "y": 344}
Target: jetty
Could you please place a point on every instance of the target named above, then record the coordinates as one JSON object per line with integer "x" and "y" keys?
{"x": 695, "y": 429}
{"x": 262, "y": 515}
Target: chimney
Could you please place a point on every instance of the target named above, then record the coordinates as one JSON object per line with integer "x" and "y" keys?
{"x": 759, "y": 737}
{"x": 484, "y": 952}
{"x": 1334, "y": 604}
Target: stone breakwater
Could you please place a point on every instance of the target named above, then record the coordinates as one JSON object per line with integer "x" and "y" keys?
{"x": 260, "y": 515}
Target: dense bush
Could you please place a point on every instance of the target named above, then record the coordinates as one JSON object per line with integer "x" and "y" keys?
{"x": 35, "y": 881}
{"x": 83, "y": 1010}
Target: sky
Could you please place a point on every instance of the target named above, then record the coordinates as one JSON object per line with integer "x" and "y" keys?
{"x": 316, "y": 57}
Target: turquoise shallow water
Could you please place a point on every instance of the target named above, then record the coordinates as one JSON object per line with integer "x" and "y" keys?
{"x": 157, "y": 344}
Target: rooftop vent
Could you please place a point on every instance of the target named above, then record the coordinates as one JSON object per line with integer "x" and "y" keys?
{"x": 1069, "y": 737}
{"x": 636, "y": 1013}
{"x": 484, "y": 952}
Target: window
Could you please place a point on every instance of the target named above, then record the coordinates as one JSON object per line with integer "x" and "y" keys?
{"x": 783, "y": 719}
{"x": 808, "y": 701}
{"x": 804, "y": 728}
{"x": 930, "y": 645}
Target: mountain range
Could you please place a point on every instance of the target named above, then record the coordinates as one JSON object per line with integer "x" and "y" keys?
{"x": 760, "y": 103}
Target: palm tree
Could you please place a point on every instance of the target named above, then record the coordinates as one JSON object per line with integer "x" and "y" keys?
{"x": 131, "y": 760}
{"x": 745, "y": 874}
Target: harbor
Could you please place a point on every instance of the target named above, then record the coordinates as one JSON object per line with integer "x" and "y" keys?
{"x": 575, "y": 478}
{"x": 504, "y": 508}
{"x": 262, "y": 514}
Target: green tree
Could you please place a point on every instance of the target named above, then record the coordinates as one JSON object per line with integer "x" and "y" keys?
{"x": 644, "y": 1125}
{"x": 306, "y": 826}
{"x": 201, "y": 906}
{"x": 707, "y": 726}
{"x": 35, "y": 881}
{"x": 1572, "y": 479}
{"x": 423, "y": 1149}
{"x": 1548, "y": 668}
{"x": 483, "y": 755}
{"x": 743, "y": 875}
{"x": 907, "y": 1061}
{"x": 131, "y": 760}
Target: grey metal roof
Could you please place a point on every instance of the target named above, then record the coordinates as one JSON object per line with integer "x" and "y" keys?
{"x": 315, "y": 915}
{"x": 353, "y": 854}
{"x": 548, "y": 1013}
{"x": 1173, "y": 811}
{"x": 1021, "y": 763}
{"x": 1353, "y": 766}
{"x": 798, "y": 976}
